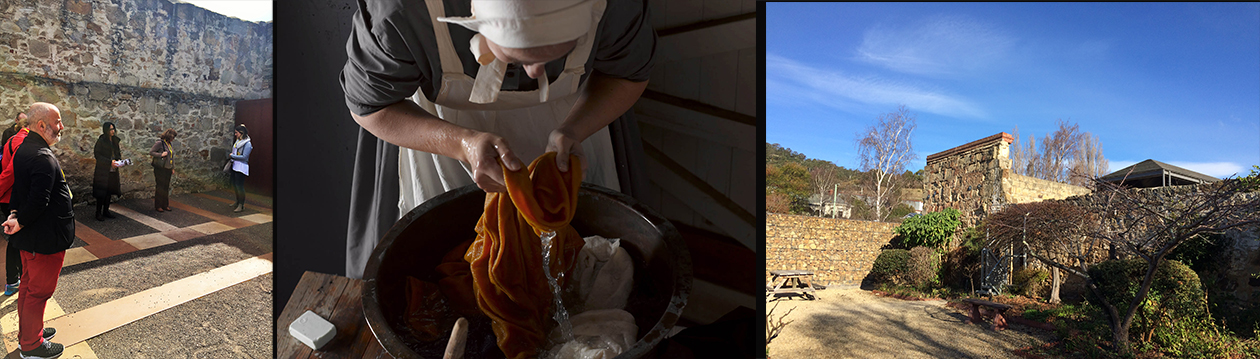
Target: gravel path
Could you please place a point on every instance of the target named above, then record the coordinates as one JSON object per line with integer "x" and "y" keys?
{"x": 853, "y": 323}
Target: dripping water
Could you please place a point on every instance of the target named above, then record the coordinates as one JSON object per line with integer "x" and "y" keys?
{"x": 560, "y": 314}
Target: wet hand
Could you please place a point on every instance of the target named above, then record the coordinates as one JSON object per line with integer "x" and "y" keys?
{"x": 564, "y": 144}
{"x": 484, "y": 152}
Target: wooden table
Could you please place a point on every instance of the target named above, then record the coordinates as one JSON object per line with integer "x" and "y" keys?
{"x": 337, "y": 299}
{"x": 797, "y": 282}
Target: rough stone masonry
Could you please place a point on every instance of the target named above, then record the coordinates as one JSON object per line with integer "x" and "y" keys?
{"x": 146, "y": 65}
{"x": 976, "y": 179}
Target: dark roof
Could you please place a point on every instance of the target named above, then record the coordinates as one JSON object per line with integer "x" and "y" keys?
{"x": 1154, "y": 168}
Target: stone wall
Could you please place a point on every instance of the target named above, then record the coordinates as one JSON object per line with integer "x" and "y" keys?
{"x": 145, "y": 65}
{"x": 839, "y": 251}
{"x": 968, "y": 177}
{"x": 1024, "y": 189}
{"x": 976, "y": 179}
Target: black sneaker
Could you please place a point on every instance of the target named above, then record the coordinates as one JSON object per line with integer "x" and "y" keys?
{"x": 48, "y": 350}
{"x": 49, "y": 333}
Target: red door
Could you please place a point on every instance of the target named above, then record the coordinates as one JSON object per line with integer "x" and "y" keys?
{"x": 256, "y": 115}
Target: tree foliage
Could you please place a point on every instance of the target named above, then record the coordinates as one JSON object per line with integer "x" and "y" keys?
{"x": 789, "y": 184}
{"x": 932, "y": 230}
{"x": 1147, "y": 225}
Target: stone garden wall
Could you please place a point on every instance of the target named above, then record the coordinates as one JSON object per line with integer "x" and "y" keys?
{"x": 967, "y": 178}
{"x": 145, "y": 65}
{"x": 839, "y": 251}
{"x": 976, "y": 179}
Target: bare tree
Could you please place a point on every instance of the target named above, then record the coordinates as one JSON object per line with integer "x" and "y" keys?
{"x": 1053, "y": 228}
{"x": 1089, "y": 163}
{"x": 823, "y": 179}
{"x": 1066, "y": 155}
{"x": 1058, "y": 149}
{"x": 884, "y": 150}
{"x": 1150, "y": 223}
{"x": 1019, "y": 157}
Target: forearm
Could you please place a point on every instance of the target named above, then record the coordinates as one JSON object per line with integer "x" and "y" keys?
{"x": 605, "y": 99}
{"x": 407, "y": 125}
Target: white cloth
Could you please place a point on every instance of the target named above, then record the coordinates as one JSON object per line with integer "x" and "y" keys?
{"x": 239, "y": 149}
{"x": 604, "y": 274}
{"x": 597, "y": 334}
{"x": 528, "y": 23}
{"x": 518, "y": 116}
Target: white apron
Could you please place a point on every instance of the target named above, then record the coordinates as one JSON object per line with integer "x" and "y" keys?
{"x": 523, "y": 118}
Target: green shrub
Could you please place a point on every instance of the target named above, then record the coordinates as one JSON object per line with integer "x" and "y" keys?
{"x": 891, "y": 266}
{"x": 1173, "y": 318}
{"x": 932, "y": 230}
{"x": 1030, "y": 282}
{"x": 922, "y": 267}
{"x": 960, "y": 266}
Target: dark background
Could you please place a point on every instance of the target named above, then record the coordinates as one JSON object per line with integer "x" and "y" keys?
{"x": 315, "y": 138}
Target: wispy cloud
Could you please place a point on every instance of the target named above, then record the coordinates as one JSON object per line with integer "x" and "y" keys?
{"x": 939, "y": 45}
{"x": 789, "y": 79}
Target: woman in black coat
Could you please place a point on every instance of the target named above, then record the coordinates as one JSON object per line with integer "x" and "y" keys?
{"x": 163, "y": 166}
{"x": 105, "y": 179}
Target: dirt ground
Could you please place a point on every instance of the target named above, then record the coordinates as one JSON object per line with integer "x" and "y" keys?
{"x": 854, "y": 323}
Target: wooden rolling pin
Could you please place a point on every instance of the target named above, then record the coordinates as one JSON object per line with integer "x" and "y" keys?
{"x": 455, "y": 347}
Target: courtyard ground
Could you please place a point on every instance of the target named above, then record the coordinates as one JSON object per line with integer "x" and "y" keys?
{"x": 854, "y": 323}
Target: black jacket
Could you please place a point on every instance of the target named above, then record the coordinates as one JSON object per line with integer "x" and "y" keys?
{"x": 42, "y": 199}
{"x": 104, "y": 181}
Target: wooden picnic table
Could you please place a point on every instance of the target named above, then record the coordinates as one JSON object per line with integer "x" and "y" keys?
{"x": 338, "y": 300}
{"x": 797, "y": 282}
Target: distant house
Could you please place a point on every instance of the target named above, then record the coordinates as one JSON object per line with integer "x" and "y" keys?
{"x": 826, "y": 208}
{"x": 1152, "y": 173}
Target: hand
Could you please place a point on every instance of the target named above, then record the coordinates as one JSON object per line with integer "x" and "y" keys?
{"x": 483, "y": 151}
{"x": 164, "y": 153}
{"x": 564, "y": 143}
{"x": 11, "y": 225}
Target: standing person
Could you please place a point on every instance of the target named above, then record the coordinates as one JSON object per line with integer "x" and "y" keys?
{"x": 105, "y": 179}
{"x": 541, "y": 76}
{"x": 12, "y": 261}
{"x": 163, "y": 166}
{"x": 19, "y": 123}
{"x": 41, "y": 225}
{"x": 240, "y": 164}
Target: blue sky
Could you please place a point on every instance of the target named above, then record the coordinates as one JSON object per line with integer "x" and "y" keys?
{"x": 248, "y": 10}
{"x": 1174, "y": 82}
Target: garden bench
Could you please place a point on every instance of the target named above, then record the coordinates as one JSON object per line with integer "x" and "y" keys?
{"x": 797, "y": 282}
{"x": 999, "y": 322}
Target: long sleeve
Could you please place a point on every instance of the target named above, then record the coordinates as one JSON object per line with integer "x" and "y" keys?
{"x": 244, "y": 155}
{"x": 102, "y": 151}
{"x": 157, "y": 150}
{"x": 42, "y": 176}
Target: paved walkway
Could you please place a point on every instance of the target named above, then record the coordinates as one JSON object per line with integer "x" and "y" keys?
{"x": 853, "y": 323}
{"x": 194, "y": 282}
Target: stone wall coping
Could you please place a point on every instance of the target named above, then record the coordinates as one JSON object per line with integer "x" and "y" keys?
{"x": 971, "y": 145}
{"x": 829, "y": 218}
{"x": 1045, "y": 182}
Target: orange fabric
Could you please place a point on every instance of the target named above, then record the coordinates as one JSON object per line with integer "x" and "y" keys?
{"x": 506, "y": 257}
{"x": 457, "y": 282}
{"x": 427, "y": 314}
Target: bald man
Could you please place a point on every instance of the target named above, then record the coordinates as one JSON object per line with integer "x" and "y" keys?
{"x": 40, "y": 226}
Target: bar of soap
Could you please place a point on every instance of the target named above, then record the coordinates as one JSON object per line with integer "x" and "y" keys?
{"x": 312, "y": 330}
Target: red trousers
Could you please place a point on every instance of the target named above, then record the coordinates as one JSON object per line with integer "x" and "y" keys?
{"x": 39, "y": 280}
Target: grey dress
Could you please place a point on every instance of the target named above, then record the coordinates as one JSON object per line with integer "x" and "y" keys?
{"x": 389, "y": 60}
